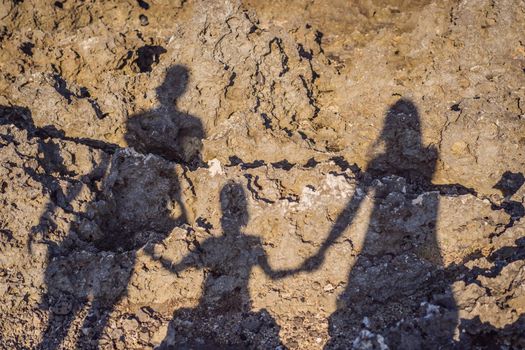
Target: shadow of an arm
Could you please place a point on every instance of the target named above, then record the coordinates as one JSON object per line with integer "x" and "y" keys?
{"x": 190, "y": 260}
{"x": 345, "y": 219}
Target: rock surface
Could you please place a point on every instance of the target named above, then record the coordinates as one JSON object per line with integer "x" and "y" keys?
{"x": 270, "y": 175}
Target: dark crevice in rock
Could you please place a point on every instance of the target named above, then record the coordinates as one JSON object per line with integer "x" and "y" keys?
{"x": 148, "y": 55}
{"x": 7, "y": 233}
{"x": 204, "y": 223}
{"x": 267, "y": 122}
{"x": 291, "y": 199}
{"x": 311, "y": 163}
{"x": 123, "y": 61}
{"x": 343, "y": 174}
{"x": 288, "y": 132}
{"x": 60, "y": 86}
{"x": 283, "y": 164}
{"x": 318, "y": 39}
{"x": 230, "y": 83}
{"x": 259, "y": 79}
{"x": 310, "y": 94}
{"x": 284, "y": 57}
{"x": 510, "y": 183}
{"x": 234, "y": 161}
{"x": 303, "y": 53}
{"x": 27, "y": 48}
{"x": 187, "y": 178}
{"x": 305, "y": 137}
{"x": 308, "y": 55}
{"x": 257, "y": 102}
{"x": 143, "y": 4}
{"x": 344, "y": 165}
{"x": 513, "y": 208}
{"x": 455, "y": 108}
{"x": 450, "y": 189}
{"x": 84, "y": 93}
{"x": 255, "y": 164}
{"x": 252, "y": 181}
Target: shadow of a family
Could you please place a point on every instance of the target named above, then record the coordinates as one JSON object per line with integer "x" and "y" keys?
{"x": 399, "y": 267}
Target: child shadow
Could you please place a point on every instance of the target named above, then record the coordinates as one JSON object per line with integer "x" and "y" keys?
{"x": 224, "y": 318}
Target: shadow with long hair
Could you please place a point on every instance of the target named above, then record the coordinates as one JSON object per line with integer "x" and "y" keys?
{"x": 397, "y": 292}
{"x": 139, "y": 202}
{"x": 224, "y": 318}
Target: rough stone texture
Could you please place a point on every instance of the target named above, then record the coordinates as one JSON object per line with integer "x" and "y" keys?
{"x": 290, "y": 174}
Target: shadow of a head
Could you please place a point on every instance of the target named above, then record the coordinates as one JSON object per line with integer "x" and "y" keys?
{"x": 166, "y": 131}
{"x": 404, "y": 153}
{"x": 401, "y": 129}
{"x": 234, "y": 208}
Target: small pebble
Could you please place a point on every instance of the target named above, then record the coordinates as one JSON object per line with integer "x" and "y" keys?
{"x": 143, "y": 20}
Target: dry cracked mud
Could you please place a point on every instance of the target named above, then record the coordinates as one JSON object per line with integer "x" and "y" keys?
{"x": 262, "y": 175}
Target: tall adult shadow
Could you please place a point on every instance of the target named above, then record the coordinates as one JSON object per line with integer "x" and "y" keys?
{"x": 397, "y": 293}
{"x": 224, "y": 318}
{"x": 92, "y": 266}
